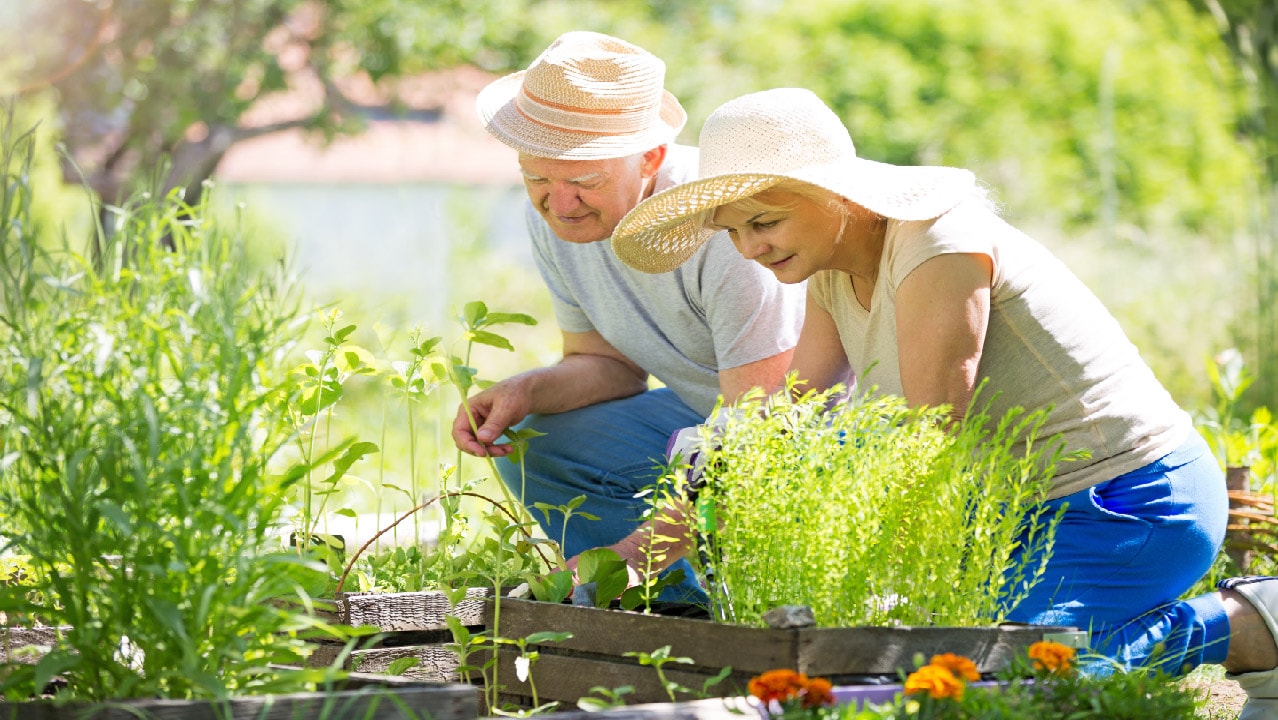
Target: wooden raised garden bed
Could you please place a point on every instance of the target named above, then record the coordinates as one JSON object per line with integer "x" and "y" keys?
{"x": 596, "y": 653}
{"x": 361, "y": 697}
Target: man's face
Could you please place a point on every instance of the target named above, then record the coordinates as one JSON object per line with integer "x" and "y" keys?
{"x": 583, "y": 200}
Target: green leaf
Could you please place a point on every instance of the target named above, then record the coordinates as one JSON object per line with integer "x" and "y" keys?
{"x": 611, "y": 584}
{"x": 547, "y": 636}
{"x": 348, "y": 458}
{"x": 590, "y": 562}
{"x": 507, "y": 318}
{"x": 401, "y": 665}
{"x": 484, "y": 337}
{"x": 473, "y": 314}
{"x": 117, "y": 516}
{"x": 461, "y": 634}
{"x": 553, "y": 587}
{"x": 427, "y": 346}
{"x": 340, "y": 335}
{"x": 55, "y": 663}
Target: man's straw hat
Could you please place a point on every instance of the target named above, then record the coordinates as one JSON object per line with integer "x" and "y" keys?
{"x": 756, "y": 141}
{"x": 587, "y": 97}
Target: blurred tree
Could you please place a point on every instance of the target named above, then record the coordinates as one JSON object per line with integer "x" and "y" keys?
{"x": 1249, "y": 28}
{"x": 139, "y": 82}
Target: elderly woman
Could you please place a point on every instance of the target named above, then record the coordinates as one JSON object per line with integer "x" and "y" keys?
{"x": 918, "y": 288}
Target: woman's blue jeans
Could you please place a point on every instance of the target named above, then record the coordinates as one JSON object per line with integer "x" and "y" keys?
{"x": 611, "y": 453}
{"x": 1126, "y": 550}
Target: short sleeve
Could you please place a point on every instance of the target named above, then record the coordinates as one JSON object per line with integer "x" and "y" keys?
{"x": 965, "y": 229}
{"x": 752, "y": 315}
{"x": 568, "y": 311}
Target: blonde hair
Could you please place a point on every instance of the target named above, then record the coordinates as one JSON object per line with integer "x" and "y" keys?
{"x": 753, "y": 204}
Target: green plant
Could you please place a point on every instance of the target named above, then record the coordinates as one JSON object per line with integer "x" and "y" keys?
{"x": 140, "y": 391}
{"x": 608, "y": 698}
{"x": 325, "y": 381}
{"x": 659, "y": 658}
{"x": 527, "y": 658}
{"x": 1238, "y": 441}
{"x": 873, "y": 513}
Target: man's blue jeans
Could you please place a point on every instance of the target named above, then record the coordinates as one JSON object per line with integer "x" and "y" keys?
{"x": 610, "y": 453}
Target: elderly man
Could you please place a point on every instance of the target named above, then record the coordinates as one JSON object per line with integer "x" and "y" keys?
{"x": 594, "y": 128}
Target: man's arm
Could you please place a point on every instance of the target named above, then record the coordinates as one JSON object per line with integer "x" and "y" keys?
{"x": 768, "y": 373}
{"x": 591, "y": 371}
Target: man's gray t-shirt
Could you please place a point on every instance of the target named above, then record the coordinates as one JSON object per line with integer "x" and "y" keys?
{"x": 715, "y": 312}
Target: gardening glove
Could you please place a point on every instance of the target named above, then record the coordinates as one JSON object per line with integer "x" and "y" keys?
{"x": 688, "y": 446}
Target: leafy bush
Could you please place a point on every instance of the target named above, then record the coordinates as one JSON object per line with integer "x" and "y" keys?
{"x": 140, "y": 395}
{"x": 873, "y": 513}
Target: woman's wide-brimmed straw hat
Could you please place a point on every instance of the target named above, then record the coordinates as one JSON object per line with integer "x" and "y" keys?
{"x": 756, "y": 141}
{"x": 589, "y": 96}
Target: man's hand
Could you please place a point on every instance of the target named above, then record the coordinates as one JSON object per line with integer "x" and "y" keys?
{"x": 630, "y": 553}
{"x": 494, "y": 410}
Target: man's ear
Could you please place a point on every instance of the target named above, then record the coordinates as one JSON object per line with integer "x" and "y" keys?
{"x": 652, "y": 160}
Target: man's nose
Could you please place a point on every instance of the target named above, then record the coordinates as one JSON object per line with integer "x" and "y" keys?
{"x": 562, "y": 199}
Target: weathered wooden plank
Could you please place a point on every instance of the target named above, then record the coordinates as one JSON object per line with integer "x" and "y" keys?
{"x": 730, "y": 708}
{"x": 838, "y": 653}
{"x": 441, "y": 702}
{"x": 597, "y": 652}
{"x": 566, "y": 678}
{"x": 616, "y": 632}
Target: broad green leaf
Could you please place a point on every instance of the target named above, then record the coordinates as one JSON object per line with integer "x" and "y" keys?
{"x": 473, "y": 314}
{"x": 484, "y": 337}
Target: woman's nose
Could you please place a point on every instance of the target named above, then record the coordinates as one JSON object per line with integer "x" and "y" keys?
{"x": 749, "y": 247}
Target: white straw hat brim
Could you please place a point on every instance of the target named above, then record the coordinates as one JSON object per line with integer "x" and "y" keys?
{"x": 501, "y": 116}
{"x": 663, "y": 231}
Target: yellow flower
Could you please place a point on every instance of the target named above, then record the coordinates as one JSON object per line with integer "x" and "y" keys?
{"x": 1052, "y": 657}
{"x": 935, "y": 680}
{"x": 961, "y": 667}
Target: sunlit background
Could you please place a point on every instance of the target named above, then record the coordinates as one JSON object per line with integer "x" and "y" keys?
{"x": 1133, "y": 137}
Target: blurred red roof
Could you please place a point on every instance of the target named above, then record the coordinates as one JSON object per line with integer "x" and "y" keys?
{"x": 430, "y": 134}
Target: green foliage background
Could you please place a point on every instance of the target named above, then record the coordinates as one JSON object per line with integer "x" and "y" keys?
{"x": 1121, "y": 133}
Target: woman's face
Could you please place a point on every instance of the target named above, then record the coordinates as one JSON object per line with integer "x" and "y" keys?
{"x": 793, "y": 236}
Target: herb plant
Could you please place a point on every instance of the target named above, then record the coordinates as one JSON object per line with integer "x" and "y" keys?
{"x": 1239, "y": 440}
{"x": 140, "y": 390}
{"x": 873, "y": 513}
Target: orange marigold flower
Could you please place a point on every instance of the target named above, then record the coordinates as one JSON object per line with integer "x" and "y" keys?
{"x": 1052, "y": 657}
{"x": 936, "y": 681}
{"x": 818, "y": 693}
{"x": 962, "y": 667}
{"x": 779, "y": 685}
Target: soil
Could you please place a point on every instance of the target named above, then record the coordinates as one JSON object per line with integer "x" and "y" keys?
{"x": 1224, "y": 698}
